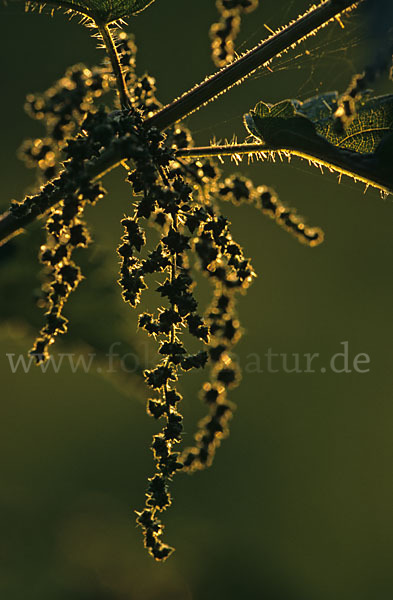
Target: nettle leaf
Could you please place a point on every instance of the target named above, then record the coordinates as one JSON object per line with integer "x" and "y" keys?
{"x": 104, "y": 11}
{"x": 279, "y": 124}
{"x": 289, "y": 120}
{"x": 364, "y": 150}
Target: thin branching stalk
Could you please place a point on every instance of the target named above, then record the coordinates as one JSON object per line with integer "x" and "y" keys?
{"x": 110, "y": 47}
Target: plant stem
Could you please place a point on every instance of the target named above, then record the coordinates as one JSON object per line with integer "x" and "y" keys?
{"x": 113, "y": 54}
{"x": 362, "y": 167}
{"x": 244, "y": 66}
{"x": 201, "y": 94}
{"x": 11, "y": 226}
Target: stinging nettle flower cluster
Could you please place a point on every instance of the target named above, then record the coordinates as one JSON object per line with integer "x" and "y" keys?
{"x": 174, "y": 230}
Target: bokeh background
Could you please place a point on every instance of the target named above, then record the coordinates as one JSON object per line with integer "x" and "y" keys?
{"x": 298, "y": 504}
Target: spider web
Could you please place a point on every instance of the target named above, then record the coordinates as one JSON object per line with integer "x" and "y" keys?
{"x": 321, "y": 63}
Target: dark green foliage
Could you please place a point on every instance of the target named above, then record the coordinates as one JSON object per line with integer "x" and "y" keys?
{"x": 105, "y": 11}
{"x": 308, "y": 129}
{"x": 309, "y": 124}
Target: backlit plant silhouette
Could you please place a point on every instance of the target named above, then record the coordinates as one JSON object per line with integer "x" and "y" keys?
{"x": 176, "y": 190}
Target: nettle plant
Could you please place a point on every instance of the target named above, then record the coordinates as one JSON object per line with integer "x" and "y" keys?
{"x": 176, "y": 191}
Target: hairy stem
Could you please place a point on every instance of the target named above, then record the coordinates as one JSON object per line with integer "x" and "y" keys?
{"x": 111, "y": 50}
{"x": 244, "y": 66}
{"x": 204, "y": 92}
{"x": 362, "y": 167}
{"x": 10, "y": 226}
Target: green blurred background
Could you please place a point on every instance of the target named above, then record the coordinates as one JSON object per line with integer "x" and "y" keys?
{"x": 298, "y": 504}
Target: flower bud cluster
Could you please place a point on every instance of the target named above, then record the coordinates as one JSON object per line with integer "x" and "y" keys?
{"x": 224, "y": 33}
{"x": 238, "y": 189}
